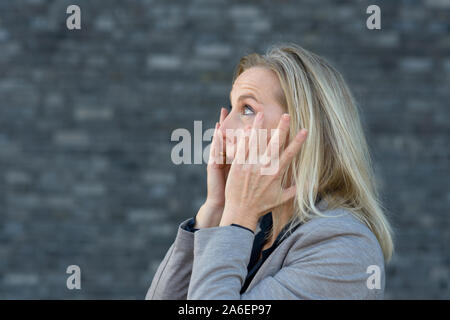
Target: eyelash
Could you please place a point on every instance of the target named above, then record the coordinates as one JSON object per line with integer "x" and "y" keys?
{"x": 245, "y": 106}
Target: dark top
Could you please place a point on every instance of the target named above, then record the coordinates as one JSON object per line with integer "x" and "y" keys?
{"x": 258, "y": 243}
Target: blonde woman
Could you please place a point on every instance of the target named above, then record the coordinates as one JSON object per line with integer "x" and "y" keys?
{"x": 312, "y": 229}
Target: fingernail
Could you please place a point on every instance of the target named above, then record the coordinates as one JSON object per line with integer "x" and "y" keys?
{"x": 299, "y": 133}
{"x": 259, "y": 115}
{"x": 286, "y": 116}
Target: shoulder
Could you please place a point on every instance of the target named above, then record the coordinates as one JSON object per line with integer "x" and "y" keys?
{"x": 339, "y": 247}
{"x": 339, "y": 230}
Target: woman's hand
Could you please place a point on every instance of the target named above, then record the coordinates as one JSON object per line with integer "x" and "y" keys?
{"x": 217, "y": 170}
{"x": 250, "y": 192}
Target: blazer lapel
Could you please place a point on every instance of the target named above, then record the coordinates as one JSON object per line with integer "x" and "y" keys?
{"x": 275, "y": 260}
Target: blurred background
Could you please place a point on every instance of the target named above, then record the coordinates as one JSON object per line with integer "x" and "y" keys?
{"x": 86, "y": 117}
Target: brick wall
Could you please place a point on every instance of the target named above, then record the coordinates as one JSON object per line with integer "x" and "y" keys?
{"x": 86, "y": 117}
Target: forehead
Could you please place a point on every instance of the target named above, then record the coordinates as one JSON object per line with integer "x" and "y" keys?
{"x": 261, "y": 81}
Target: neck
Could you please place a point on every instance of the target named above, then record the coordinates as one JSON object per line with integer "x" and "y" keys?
{"x": 280, "y": 217}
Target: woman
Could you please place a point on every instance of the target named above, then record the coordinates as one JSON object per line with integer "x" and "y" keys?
{"x": 311, "y": 229}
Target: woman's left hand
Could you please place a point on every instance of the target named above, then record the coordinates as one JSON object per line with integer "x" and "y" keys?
{"x": 250, "y": 191}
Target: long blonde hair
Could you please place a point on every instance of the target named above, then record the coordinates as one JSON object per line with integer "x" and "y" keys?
{"x": 334, "y": 162}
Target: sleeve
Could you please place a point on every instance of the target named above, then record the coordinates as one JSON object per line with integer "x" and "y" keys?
{"x": 328, "y": 262}
{"x": 189, "y": 226}
{"x": 171, "y": 279}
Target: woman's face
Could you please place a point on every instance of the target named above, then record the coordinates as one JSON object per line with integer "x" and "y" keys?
{"x": 255, "y": 90}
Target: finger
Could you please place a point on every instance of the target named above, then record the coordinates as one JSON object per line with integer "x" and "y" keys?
{"x": 288, "y": 194}
{"x": 220, "y": 144}
{"x": 278, "y": 139}
{"x": 226, "y": 170}
{"x": 216, "y": 152}
{"x": 223, "y": 114}
{"x": 284, "y": 128}
{"x": 213, "y": 148}
{"x": 242, "y": 145}
{"x": 293, "y": 148}
{"x": 254, "y": 138}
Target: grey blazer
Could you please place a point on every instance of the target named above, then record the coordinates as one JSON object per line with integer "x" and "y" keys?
{"x": 325, "y": 258}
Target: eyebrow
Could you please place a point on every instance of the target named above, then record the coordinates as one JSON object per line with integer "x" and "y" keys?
{"x": 246, "y": 96}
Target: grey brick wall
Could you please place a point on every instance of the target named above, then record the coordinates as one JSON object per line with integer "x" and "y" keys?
{"x": 86, "y": 118}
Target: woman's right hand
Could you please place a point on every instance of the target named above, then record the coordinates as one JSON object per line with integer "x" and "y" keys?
{"x": 211, "y": 211}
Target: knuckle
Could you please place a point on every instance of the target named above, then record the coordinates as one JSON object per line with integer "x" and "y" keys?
{"x": 289, "y": 153}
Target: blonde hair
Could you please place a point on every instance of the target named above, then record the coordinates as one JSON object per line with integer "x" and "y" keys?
{"x": 334, "y": 162}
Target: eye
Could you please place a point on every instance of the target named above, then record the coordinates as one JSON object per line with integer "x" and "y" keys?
{"x": 248, "y": 110}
